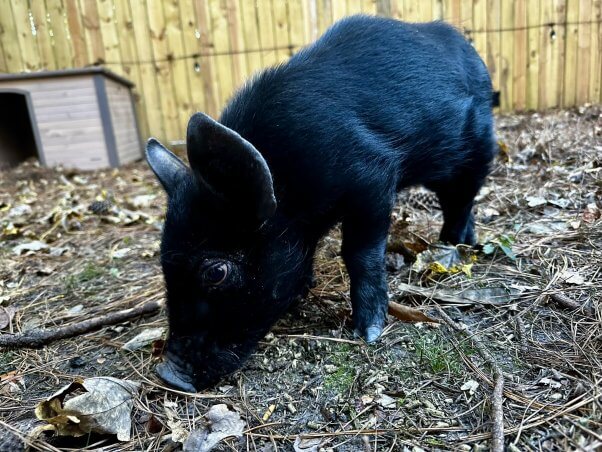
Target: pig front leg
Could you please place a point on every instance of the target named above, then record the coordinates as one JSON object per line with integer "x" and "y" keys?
{"x": 364, "y": 243}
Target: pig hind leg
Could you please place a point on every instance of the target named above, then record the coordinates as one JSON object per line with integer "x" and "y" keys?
{"x": 364, "y": 243}
{"x": 456, "y": 197}
{"x": 456, "y": 202}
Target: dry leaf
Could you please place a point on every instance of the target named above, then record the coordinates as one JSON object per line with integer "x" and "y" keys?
{"x": 307, "y": 444}
{"x": 105, "y": 406}
{"x": 144, "y": 338}
{"x": 34, "y": 246}
{"x": 223, "y": 423}
{"x": 407, "y": 314}
{"x": 6, "y": 316}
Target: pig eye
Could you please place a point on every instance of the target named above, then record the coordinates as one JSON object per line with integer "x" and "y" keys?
{"x": 215, "y": 274}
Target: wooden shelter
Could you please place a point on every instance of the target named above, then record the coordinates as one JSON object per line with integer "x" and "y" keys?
{"x": 78, "y": 118}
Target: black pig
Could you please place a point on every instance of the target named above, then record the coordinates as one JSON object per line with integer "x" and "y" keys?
{"x": 373, "y": 106}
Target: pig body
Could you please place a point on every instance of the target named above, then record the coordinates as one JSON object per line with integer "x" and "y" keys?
{"x": 375, "y": 105}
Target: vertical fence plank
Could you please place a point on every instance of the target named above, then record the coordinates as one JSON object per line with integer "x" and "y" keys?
{"x": 570, "y": 67}
{"x": 93, "y": 35}
{"x": 479, "y": 26}
{"x": 207, "y": 66}
{"x": 493, "y": 41}
{"x": 77, "y": 37}
{"x": 108, "y": 33}
{"x": 221, "y": 46}
{"x": 10, "y": 41}
{"x": 545, "y": 51}
{"x": 521, "y": 58}
{"x": 281, "y": 30}
{"x": 584, "y": 56}
{"x": 424, "y": 11}
{"x": 180, "y": 64}
{"x": 195, "y": 67}
{"x": 43, "y": 38}
{"x": 63, "y": 52}
{"x": 147, "y": 69}
{"x": 324, "y": 15}
{"x": 237, "y": 42}
{"x": 297, "y": 17}
{"x": 353, "y": 7}
{"x": 452, "y": 12}
{"x": 25, "y": 38}
{"x": 339, "y": 9}
{"x": 533, "y": 54}
{"x": 129, "y": 62}
{"x": 164, "y": 66}
{"x": 397, "y": 9}
{"x": 266, "y": 32}
{"x": 467, "y": 19}
{"x": 506, "y": 61}
{"x": 383, "y": 7}
{"x": 437, "y": 10}
{"x": 250, "y": 35}
{"x": 409, "y": 11}
{"x": 595, "y": 91}
{"x": 3, "y": 64}
{"x": 369, "y": 6}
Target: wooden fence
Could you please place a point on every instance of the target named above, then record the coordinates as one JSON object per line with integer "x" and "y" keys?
{"x": 190, "y": 55}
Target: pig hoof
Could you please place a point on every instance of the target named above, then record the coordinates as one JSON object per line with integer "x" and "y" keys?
{"x": 371, "y": 334}
{"x": 169, "y": 373}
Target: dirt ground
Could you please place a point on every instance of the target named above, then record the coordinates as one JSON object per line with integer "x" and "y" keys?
{"x": 526, "y": 305}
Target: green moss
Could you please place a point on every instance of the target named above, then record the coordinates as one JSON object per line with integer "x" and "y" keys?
{"x": 342, "y": 378}
{"x": 90, "y": 272}
{"x": 437, "y": 354}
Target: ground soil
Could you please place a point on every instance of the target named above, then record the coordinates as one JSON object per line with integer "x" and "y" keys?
{"x": 527, "y": 302}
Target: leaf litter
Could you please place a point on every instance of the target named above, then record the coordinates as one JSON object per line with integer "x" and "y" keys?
{"x": 531, "y": 298}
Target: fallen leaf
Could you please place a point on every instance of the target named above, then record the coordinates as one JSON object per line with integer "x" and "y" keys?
{"x": 34, "y": 246}
{"x": 144, "y": 338}
{"x": 223, "y": 423}
{"x": 407, "y": 314}
{"x": 386, "y": 401}
{"x": 442, "y": 259}
{"x": 104, "y": 407}
{"x": 142, "y": 201}
{"x": 6, "y": 316}
{"x": 550, "y": 382}
{"x": 309, "y": 444}
{"x": 120, "y": 253}
{"x": 591, "y": 213}
{"x": 471, "y": 386}
{"x": 572, "y": 277}
{"x": 550, "y": 227}
{"x": 535, "y": 201}
{"x": 178, "y": 433}
{"x": 75, "y": 310}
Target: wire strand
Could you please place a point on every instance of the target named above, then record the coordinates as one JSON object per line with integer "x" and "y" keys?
{"x": 199, "y": 55}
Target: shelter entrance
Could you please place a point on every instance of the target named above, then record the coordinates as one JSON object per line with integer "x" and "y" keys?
{"x": 17, "y": 140}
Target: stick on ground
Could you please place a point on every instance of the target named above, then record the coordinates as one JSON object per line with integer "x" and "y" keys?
{"x": 497, "y": 410}
{"x": 39, "y": 338}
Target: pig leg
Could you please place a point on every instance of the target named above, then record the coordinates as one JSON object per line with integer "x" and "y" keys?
{"x": 364, "y": 242}
{"x": 457, "y": 199}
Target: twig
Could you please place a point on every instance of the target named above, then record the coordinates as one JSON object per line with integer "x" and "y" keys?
{"x": 497, "y": 411}
{"x": 39, "y": 338}
{"x": 566, "y": 302}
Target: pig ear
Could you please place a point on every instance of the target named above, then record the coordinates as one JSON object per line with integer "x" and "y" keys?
{"x": 168, "y": 168}
{"x": 230, "y": 167}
